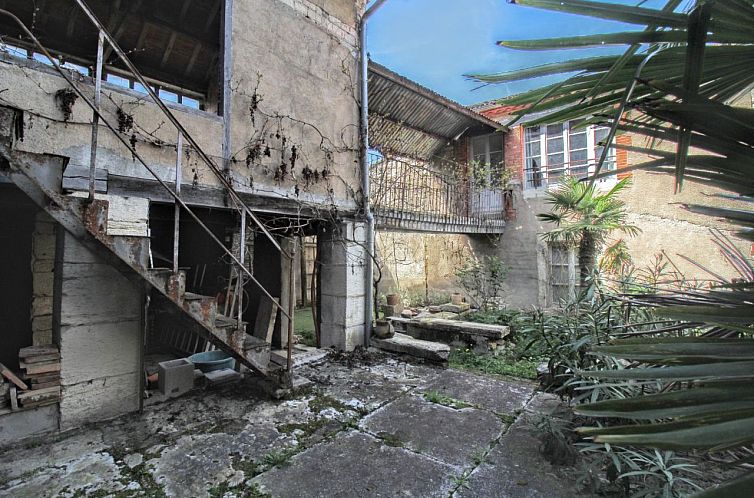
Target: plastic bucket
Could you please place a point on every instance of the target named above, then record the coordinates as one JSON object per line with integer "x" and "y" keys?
{"x": 211, "y": 361}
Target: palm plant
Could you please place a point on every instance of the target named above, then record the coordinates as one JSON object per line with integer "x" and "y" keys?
{"x": 584, "y": 217}
{"x": 675, "y": 83}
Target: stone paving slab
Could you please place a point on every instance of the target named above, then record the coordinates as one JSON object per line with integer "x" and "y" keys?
{"x": 516, "y": 469}
{"x": 492, "y": 393}
{"x": 358, "y": 465}
{"x": 450, "y": 435}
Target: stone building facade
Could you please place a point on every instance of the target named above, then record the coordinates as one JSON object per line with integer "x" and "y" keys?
{"x": 266, "y": 92}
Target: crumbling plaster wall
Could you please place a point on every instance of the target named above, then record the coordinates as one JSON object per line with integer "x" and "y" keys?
{"x": 306, "y": 54}
{"x": 295, "y": 83}
{"x": 100, "y": 337}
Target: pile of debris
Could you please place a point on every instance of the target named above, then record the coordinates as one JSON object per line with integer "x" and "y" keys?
{"x": 39, "y": 385}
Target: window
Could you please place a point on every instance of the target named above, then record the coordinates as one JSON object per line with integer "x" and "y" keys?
{"x": 562, "y": 274}
{"x": 487, "y": 155}
{"x": 559, "y": 149}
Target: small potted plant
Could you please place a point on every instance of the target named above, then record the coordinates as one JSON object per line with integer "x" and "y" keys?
{"x": 393, "y": 299}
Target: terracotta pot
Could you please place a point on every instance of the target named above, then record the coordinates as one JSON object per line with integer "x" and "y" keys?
{"x": 383, "y": 329}
{"x": 393, "y": 299}
{"x": 456, "y": 298}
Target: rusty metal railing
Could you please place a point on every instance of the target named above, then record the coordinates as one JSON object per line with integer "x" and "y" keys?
{"x": 441, "y": 192}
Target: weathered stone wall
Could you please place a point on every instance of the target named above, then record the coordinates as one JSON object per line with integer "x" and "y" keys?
{"x": 43, "y": 276}
{"x": 100, "y": 338}
{"x": 413, "y": 262}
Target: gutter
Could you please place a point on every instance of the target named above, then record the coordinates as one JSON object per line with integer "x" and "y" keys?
{"x": 365, "y": 186}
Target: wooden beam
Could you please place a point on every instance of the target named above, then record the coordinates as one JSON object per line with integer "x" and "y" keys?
{"x": 168, "y": 49}
{"x": 192, "y": 60}
{"x": 212, "y": 15}
{"x": 184, "y": 11}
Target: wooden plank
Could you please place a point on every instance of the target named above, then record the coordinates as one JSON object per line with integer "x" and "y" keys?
{"x": 40, "y": 394}
{"x": 39, "y": 368}
{"x": 42, "y": 378}
{"x": 6, "y": 372}
{"x": 264, "y": 325}
{"x": 13, "y": 398}
{"x": 37, "y": 350}
{"x": 45, "y": 385}
{"x": 42, "y": 358}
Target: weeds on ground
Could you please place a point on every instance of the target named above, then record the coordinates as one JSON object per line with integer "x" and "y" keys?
{"x": 445, "y": 400}
{"x": 506, "y": 364}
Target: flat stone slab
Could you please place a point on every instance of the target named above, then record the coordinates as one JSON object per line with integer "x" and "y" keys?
{"x": 404, "y": 344}
{"x": 356, "y": 464}
{"x": 434, "y": 328}
{"x": 516, "y": 469}
{"x": 496, "y": 394}
{"x": 447, "y": 434}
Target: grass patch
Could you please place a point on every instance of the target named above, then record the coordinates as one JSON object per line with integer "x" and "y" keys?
{"x": 445, "y": 400}
{"x": 276, "y": 458}
{"x": 391, "y": 439}
{"x": 304, "y": 327}
{"x": 499, "y": 365}
{"x": 322, "y": 402}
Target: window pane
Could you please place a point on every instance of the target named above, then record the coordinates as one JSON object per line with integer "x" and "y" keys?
{"x": 15, "y": 51}
{"x": 554, "y": 130}
{"x": 118, "y": 80}
{"x": 42, "y": 58}
{"x": 189, "y": 102}
{"x": 496, "y": 142}
{"x": 532, "y": 133}
{"x": 533, "y": 149}
{"x": 578, "y": 157}
{"x": 168, "y": 96}
{"x": 75, "y": 67}
{"x": 577, "y": 140}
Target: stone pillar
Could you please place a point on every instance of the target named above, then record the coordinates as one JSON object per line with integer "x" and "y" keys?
{"x": 43, "y": 277}
{"x": 100, "y": 338}
{"x": 280, "y": 337}
{"x": 342, "y": 257}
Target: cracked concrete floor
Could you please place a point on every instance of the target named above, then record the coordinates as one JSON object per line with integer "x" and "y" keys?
{"x": 379, "y": 428}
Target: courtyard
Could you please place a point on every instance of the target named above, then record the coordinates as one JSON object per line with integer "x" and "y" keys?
{"x": 367, "y": 424}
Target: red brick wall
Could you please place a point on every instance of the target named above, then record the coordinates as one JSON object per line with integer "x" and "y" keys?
{"x": 621, "y": 155}
{"x": 514, "y": 152}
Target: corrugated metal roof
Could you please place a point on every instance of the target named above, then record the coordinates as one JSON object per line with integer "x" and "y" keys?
{"x": 407, "y": 118}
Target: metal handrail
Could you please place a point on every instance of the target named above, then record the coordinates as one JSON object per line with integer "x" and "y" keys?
{"x": 137, "y": 156}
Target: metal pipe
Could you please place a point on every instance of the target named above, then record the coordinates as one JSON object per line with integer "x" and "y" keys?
{"x": 95, "y": 116}
{"x": 365, "y": 184}
{"x": 177, "y": 209}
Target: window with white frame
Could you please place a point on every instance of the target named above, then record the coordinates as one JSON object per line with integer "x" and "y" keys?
{"x": 555, "y": 150}
{"x": 487, "y": 155}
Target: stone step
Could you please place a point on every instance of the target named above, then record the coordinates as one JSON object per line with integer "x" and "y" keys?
{"x": 405, "y": 344}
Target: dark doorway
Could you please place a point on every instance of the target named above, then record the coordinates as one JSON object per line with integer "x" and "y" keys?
{"x": 16, "y": 228}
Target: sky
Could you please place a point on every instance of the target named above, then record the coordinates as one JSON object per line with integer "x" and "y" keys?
{"x": 435, "y": 42}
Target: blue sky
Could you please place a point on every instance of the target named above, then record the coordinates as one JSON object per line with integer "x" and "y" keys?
{"x": 434, "y": 42}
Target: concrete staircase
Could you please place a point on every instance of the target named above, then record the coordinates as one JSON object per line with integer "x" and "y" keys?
{"x": 39, "y": 176}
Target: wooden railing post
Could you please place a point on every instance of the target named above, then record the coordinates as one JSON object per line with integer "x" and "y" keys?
{"x": 177, "y": 209}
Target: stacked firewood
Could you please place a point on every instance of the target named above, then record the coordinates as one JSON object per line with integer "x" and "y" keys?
{"x": 41, "y": 366}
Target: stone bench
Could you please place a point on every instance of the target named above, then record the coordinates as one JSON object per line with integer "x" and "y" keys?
{"x": 480, "y": 335}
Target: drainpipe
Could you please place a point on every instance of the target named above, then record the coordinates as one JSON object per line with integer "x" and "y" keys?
{"x": 369, "y": 271}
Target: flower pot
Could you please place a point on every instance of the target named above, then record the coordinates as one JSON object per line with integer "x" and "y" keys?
{"x": 383, "y": 329}
{"x": 393, "y": 299}
{"x": 456, "y": 298}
